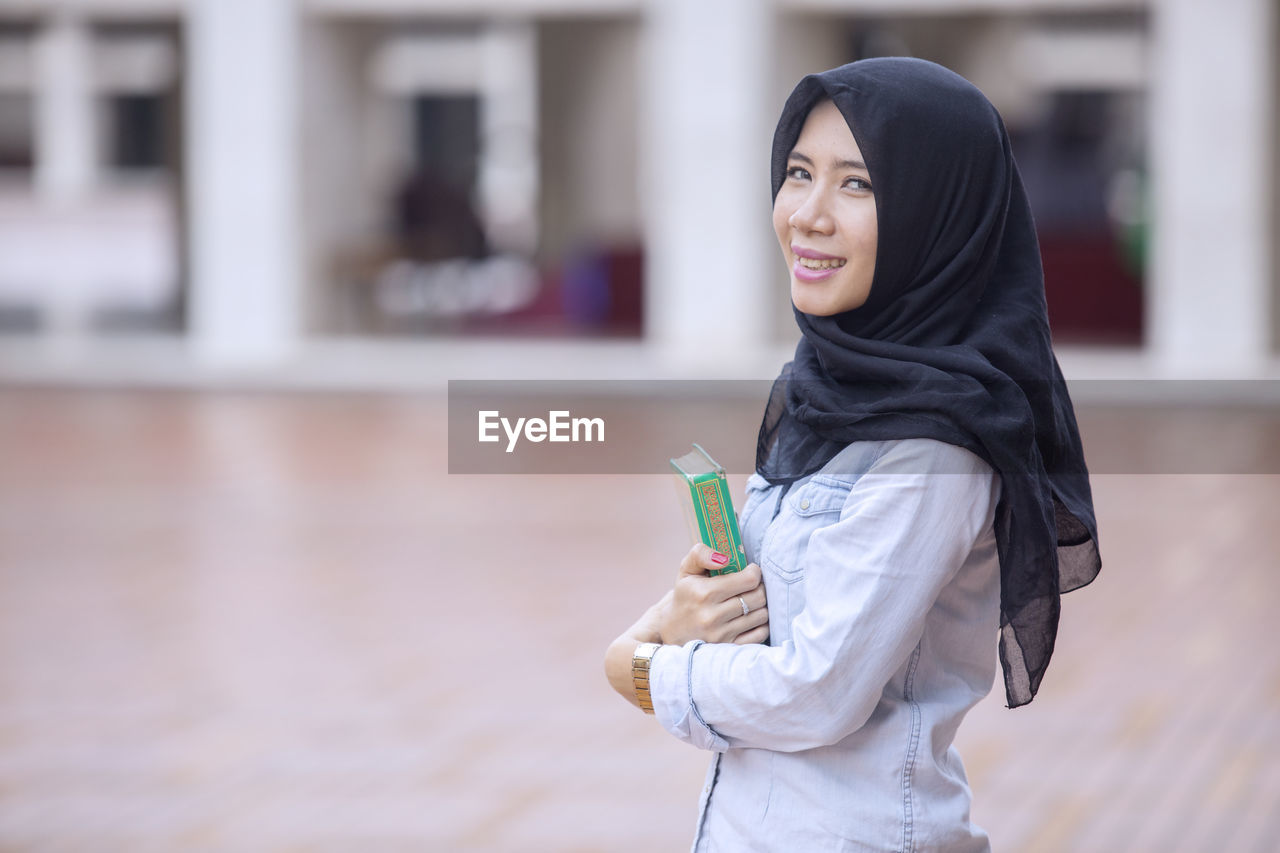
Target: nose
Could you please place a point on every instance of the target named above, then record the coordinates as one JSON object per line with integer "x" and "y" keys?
{"x": 812, "y": 216}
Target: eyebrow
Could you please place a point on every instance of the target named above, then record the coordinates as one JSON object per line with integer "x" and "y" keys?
{"x": 845, "y": 164}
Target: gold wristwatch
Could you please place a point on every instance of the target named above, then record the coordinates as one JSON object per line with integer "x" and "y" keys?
{"x": 640, "y": 674}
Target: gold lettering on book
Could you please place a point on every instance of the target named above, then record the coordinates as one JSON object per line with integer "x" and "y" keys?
{"x": 715, "y": 516}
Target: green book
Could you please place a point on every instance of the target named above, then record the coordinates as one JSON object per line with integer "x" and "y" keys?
{"x": 704, "y": 493}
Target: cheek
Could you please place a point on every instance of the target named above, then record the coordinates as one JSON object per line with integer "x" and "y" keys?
{"x": 862, "y": 230}
{"x": 860, "y": 224}
{"x": 871, "y": 235}
{"x": 781, "y": 225}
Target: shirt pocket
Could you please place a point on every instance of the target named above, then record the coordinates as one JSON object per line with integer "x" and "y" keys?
{"x": 808, "y": 508}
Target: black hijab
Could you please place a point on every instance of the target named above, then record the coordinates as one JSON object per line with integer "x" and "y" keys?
{"x": 953, "y": 341}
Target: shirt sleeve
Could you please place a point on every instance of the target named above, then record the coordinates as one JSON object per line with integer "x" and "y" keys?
{"x": 906, "y": 528}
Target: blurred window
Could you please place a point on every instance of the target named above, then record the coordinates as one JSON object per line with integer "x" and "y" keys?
{"x": 1084, "y": 166}
{"x": 17, "y": 107}
{"x": 17, "y": 132}
{"x": 136, "y": 128}
{"x": 447, "y": 138}
{"x": 136, "y": 80}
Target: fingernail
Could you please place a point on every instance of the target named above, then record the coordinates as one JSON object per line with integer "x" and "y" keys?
{"x": 719, "y": 559}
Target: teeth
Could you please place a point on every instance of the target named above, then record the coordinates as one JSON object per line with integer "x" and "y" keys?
{"x": 816, "y": 264}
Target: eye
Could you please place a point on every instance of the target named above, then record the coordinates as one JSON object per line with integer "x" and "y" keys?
{"x": 858, "y": 184}
{"x": 798, "y": 173}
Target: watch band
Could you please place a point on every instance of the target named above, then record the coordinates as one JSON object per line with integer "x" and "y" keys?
{"x": 640, "y": 674}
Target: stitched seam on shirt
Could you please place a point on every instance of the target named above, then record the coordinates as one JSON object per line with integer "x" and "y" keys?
{"x": 688, "y": 680}
{"x": 765, "y": 535}
{"x": 913, "y": 742}
{"x": 706, "y": 803}
{"x": 777, "y": 507}
{"x": 697, "y": 715}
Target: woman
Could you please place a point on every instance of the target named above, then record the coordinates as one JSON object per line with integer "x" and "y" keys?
{"x": 919, "y": 487}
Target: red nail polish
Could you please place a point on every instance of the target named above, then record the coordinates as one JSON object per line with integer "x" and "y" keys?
{"x": 719, "y": 559}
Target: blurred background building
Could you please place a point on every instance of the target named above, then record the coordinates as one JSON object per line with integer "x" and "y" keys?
{"x": 388, "y": 191}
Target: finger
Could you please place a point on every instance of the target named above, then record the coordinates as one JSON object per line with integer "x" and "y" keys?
{"x": 702, "y": 559}
{"x": 730, "y": 590}
{"x": 744, "y": 605}
{"x": 746, "y": 621}
{"x": 736, "y": 583}
{"x": 755, "y": 635}
{"x": 734, "y": 609}
{"x": 691, "y": 564}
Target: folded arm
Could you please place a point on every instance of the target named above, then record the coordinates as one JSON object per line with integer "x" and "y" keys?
{"x": 905, "y": 529}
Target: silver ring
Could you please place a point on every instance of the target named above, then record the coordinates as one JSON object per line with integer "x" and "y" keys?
{"x": 745, "y": 608}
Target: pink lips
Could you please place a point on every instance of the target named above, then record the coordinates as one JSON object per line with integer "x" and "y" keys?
{"x": 803, "y": 273}
{"x": 802, "y": 252}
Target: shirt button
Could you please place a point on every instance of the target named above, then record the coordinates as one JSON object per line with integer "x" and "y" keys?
{"x": 804, "y": 504}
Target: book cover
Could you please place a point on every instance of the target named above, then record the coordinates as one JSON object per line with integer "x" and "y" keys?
{"x": 704, "y": 493}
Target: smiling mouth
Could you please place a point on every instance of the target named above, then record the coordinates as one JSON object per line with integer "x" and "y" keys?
{"x": 821, "y": 263}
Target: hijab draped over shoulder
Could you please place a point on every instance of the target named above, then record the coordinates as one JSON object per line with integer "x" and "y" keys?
{"x": 953, "y": 341}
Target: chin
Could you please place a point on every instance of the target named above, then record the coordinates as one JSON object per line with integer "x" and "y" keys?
{"x": 813, "y": 307}
{"x": 819, "y": 307}
{"x": 806, "y": 307}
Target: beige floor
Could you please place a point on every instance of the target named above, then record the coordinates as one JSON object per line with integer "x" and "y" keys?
{"x": 253, "y": 622}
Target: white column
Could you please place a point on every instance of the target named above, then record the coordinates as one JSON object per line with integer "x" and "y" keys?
{"x": 65, "y": 156}
{"x": 705, "y": 176}
{"x": 508, "y": 179}
{"x": 242, "y": 153}
{"x": 1208, "y": 309}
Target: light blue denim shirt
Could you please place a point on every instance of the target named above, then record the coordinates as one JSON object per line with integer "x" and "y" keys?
{"x": 883, "y": 586}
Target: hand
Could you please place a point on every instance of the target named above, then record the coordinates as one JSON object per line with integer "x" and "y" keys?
{"x": 698, "y": 607}
{"x": 702, "y": 607}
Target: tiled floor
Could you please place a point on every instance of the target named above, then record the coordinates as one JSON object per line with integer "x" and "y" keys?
{"x": 254, "y": 622}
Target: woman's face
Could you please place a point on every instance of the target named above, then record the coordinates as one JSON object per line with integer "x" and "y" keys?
{"x": 825, "y": 217}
